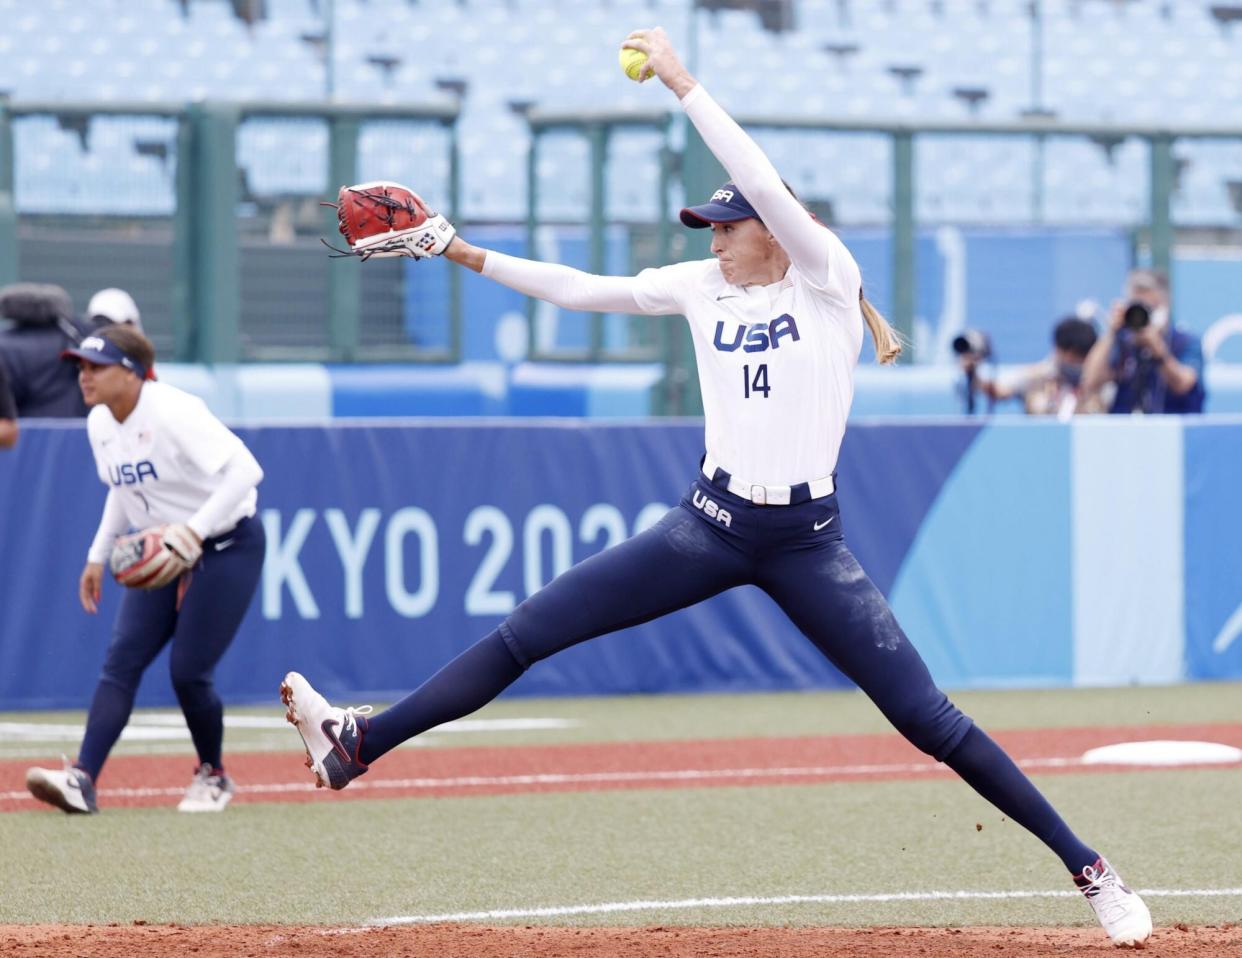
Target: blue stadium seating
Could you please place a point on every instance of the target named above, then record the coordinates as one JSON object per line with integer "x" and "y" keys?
{"x": 1143, "y": 61}
{"x": 1135, "y": 62}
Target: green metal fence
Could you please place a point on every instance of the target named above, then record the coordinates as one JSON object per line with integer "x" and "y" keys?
{"x": 700, "y": 174}
{"x": 246, "y": 275}
{"x": 242, "y": 274}
{"x": 905, "y": 138}
{"x": 635, "y": 338}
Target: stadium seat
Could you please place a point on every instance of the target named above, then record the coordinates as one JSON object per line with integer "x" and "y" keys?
{"x": 1141, "y": 61}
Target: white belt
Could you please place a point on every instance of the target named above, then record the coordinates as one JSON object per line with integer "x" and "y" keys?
{"x": 762, "y": 495}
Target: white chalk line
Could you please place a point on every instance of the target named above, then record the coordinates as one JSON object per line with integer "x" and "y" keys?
{"x": 552, "y": 778}
{"x": 655, "y": 776}
{"x": 165, "y": 726}
{"x": 543, "y": 778}
{"x": 619, "y": 907}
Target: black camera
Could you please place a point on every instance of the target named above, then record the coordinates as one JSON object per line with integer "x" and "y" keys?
{"x": 1137, "y": 316}
{"x": 972, "y": 342}
{"x": 973, "y": 347}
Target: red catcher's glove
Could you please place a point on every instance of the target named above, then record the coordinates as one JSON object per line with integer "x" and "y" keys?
{"x": 387, "y": 219}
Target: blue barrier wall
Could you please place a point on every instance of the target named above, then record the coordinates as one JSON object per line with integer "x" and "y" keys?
{"x": 269, "y": 392}
{"x": 1014, "y": 552}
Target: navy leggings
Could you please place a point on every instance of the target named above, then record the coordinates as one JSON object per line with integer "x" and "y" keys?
{"x": 712, "y": 542}
{"x": 690, "y": 555}
{"x": 221, "y": 587}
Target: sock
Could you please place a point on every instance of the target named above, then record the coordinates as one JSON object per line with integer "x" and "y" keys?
{"x": 206, "y": 727}
{"x": 463, "y": 686}
{"x": 989, "y": 771}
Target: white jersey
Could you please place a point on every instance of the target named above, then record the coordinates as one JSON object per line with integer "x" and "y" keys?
{"x": 164, "y": 461}
{"x": 776, "y": 363}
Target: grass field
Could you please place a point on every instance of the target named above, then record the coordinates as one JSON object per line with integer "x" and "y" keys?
{"x": 877, "y": 850}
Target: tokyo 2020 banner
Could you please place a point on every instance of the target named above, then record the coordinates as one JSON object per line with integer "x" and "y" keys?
{"x": 1014, "y": 553}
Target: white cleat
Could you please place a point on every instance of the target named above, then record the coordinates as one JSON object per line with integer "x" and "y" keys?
{"x": 331, "y": 735}
{"x": 210, "y": 791}
{"x": 1120, "y": 911}
{"x": 69, "y": 789}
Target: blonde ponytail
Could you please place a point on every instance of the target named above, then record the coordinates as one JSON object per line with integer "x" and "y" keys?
{"x": 887, "y": 340}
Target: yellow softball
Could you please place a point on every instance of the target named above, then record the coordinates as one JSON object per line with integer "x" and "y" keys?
{"x": 632, "y": 62}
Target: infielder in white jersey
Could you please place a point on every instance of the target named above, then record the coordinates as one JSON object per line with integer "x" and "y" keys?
{"x": 777, "y": 318}
{"x": 166, "y": 462}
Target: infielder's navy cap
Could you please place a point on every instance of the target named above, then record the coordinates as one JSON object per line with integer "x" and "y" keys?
{"x": 727, "y": 205}
{"x": 104, "y": 352}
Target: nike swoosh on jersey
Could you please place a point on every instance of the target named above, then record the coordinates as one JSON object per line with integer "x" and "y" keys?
{"x": 824, "y": 524}
{"x": 221, "y": 546}
{"x": 727, "y": 296}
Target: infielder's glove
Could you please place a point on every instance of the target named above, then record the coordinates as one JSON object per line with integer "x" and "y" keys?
{"x": 152, "y": 558}
{"x": 387, "y": 219}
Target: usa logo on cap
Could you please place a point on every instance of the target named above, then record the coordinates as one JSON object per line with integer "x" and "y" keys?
{"x": 727, "y": 205}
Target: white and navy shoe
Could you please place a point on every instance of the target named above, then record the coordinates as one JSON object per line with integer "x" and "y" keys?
{"x": 210, "y": 791}
{"x": 331, "y": 735}
{"x": 1119, "y": 910}
{"x": 70, "y": 789}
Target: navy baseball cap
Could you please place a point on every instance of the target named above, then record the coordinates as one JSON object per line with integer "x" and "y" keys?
{"x": 727, "y": 205}
{"x": 104, "y": 352}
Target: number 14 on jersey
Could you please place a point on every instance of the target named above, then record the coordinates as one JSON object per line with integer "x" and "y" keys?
{"x": 757, "y": 384}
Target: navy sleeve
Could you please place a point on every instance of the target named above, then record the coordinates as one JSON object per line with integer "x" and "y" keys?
{"x": 1188, "y": 350}
{"x": 8, "y": 405}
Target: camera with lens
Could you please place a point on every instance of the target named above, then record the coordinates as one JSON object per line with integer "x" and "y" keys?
{"x": 972, "y": 343}
{"x": 1137, "y": 316}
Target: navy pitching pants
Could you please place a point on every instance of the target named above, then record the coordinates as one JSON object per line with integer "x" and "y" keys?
{"x": 796, "y": 554}
{"x": 221, "y": 587}
{"x": 711, "y": 542}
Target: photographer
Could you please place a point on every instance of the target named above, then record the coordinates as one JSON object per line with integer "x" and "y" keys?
{"x": 1053, "y": 386}
{"x": 41, "y": 325}
{"x": 1157, "y": 367}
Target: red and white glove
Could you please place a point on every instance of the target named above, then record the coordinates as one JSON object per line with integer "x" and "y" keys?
{"x": 388, "y": 219}
{"x": 154, "y": 557}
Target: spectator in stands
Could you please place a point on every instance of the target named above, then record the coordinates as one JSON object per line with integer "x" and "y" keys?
{"x": 1053, "y": 386}
{"x": 41, "y": 327}
{"x": 113, "y": 305}
{"x": 1157, "y": 367}
{"x": 8, "y": 412}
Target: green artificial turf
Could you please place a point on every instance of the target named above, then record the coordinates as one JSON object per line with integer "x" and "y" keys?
{"x": 347, "y": 863}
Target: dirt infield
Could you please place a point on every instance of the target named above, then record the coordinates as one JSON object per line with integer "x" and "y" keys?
{"x": 472, "y": 941}
{"x": 153, "y": 781}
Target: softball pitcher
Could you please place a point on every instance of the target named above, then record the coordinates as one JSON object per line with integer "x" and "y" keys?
{"x": 777, "y": 319}
{"x": 167, "y": 463}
